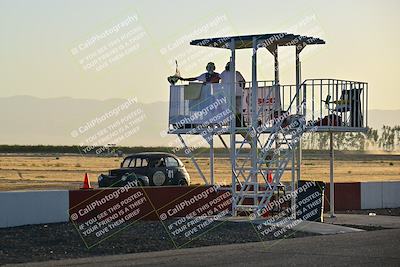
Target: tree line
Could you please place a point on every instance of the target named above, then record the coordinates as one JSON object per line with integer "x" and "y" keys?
{"x": 387, "y": 139}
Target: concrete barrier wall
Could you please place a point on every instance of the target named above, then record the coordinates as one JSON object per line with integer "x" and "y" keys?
{"x": 371, "y": 195}
{"x": 160, "y": 200}
{"x": 347, "y": 196}
{"x": 364, "y": 195}
{"x": 36, "y": 207}
{"x": 391, "y": 194}
{"x": 378, "y": 195}
{"x": 33, "y": 207}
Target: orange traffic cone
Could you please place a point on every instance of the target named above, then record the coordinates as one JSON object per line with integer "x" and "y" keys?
{"x": 269, "y": 177}
{"x": 86, "y": 182}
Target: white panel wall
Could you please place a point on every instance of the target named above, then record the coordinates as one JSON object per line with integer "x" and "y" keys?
{"x": 371, "y": 195}
{"x": 378, "y": 195}
{"x": 33, "y": 207}
{"x": 391, "y": 194}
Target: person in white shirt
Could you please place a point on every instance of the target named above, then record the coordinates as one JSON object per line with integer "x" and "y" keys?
{"x": 208, "y": 77}
{"x": 226, "y": 78}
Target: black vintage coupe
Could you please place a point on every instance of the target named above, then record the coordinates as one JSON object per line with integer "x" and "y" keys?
{"x": 147, "y": 169}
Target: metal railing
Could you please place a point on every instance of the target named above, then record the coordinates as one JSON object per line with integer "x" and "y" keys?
{"x": 200, "y": 104}
{"x": 335, "y": 103}
{"x": 325, "y": 103}
{"x": 186, "y": 111}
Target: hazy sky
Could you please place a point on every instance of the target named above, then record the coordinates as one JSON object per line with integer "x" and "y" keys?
{"x": 52, "y": 48}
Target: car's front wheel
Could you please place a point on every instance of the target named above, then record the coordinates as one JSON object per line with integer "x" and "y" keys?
{"x": 183, "y": 182}
{"x": 140, "y": 183}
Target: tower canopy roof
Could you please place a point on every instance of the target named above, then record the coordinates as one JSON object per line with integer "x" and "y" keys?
{"x": 263, "y": 40}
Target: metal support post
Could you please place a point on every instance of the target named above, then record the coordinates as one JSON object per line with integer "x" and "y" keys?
{"x": 293, "y": 184}
{"x": 233, "y": 125}
{"x": 190, "y": 154}
{"x": 212, "y": 181}
{"x": 298, "y": 110}
{"x": 254, "y": 120}
{"x": 331, "y": 177}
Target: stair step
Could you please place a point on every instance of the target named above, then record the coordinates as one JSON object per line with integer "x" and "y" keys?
{"x": 251, "y": 194}
{"x": 274, "y": 169}
{"x": 242, "y": 142}
{"x": 250, "y": 183}
{"x": 247, "y": 206}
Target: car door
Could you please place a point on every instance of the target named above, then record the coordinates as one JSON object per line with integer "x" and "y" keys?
{"x": 172, "y": 167}
{"x": 157, "y": 171}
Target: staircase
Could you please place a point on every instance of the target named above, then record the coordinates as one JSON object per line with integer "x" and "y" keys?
{"x": 259, "y": 171}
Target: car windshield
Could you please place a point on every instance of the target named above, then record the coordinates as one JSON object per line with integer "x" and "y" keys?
{"x": 172, "y": 162}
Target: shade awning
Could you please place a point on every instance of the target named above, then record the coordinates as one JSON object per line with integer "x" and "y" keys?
{"x": 263, "y": 40}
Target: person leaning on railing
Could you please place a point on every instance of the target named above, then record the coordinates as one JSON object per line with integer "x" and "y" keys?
{"x": 208, "y": 77}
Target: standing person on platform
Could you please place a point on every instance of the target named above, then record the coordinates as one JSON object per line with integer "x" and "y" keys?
{"x": 226, "y": 78}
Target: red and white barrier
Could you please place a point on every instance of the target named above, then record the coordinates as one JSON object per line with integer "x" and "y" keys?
{"x": 38, "y": 207}
{"x": 364, "y": 195}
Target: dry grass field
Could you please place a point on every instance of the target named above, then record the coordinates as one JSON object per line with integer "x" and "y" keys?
{"x": 34, "y": 172}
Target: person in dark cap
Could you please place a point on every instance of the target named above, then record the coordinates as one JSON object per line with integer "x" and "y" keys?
{"x": 208, "y": 77}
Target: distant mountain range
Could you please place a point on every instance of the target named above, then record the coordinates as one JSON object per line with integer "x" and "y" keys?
{"x": 70, "y": 121}
{"x": 56, "y": 121}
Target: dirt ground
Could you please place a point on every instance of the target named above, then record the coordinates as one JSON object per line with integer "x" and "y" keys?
{"x": 386, "y": 212}
{"x": 62, "y": 241}
{"x": 22, "y": 172}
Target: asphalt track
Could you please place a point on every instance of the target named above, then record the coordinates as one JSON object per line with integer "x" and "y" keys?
{"x": 369, "y": 248}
